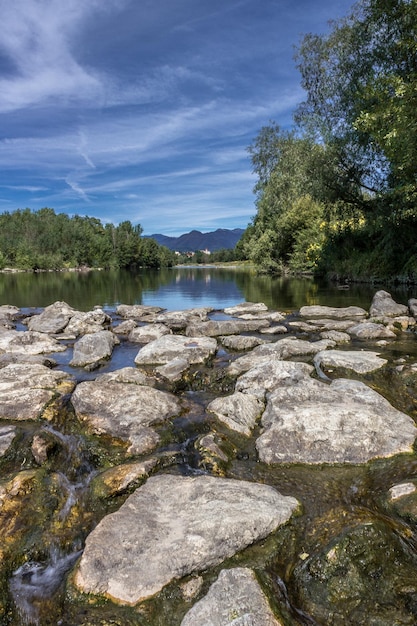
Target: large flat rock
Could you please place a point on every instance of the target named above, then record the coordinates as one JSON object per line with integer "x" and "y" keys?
{"x": 349, "y": 312}
{"x": 169, "y": 347}
{"x": 345, "y": 422}
{"x": 214, "y": 328}
{"x": 174, "y": 526}
{"x": 359, "y": 361}
{"x": 28, "y": 342}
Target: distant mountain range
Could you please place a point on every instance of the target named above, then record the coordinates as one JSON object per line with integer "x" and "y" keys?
{"x": 195, "y": 240}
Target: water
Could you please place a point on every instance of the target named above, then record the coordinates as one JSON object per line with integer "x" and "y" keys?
{"x": 182, "y": 288}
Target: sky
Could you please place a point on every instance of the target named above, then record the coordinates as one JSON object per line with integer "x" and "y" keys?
{"x": 143, "y": 110}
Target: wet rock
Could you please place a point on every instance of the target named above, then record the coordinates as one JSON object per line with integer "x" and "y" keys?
{"x": 28, "y": 392}
{"x": 209, "y": 446}
{"x": 365, "y": 576}
{"x": 240, "y": 342}
{"x": 9, "y": 358}
{"x": 371, "y": 330}
{"x": 345, "y": 422}
{"x": 225, "y": 327}
{"x": 339, "y": 325}
{"x": 125, "y": 328}
{"x": 246, "y": 307}
{"x": 53, "y": 319}
{"x": 359, "y": 361}
{"x": 178, "y": 320}
{"x": 93, "y": 350}
{"x": 127, "y": 375}
{"x": 148, "y": 333}
{"x": 350, "y": 312}
{"x": 174, "y": 526}
{"x": 28, "y": 342}
{"x": 336, "y": 336}
{"x": 87, "y": 323}
{"x": 274, "y": 330}
{"x": 118, "y": 479}
{"x": 41, "y": 448}
{"x": 138, "y": 311}
{"x": 271, "y": 316}
{"x": 304, "y": 327}
{"x": 401, "y": 490}
{"x": 125, "y": 411}
{"x": 239, "y": 411}
{"x": 169, "y": 347}
{"x": 270, "y": 374}
{"x": 235, "y": 599}
{"x": 173, "y": 370}
{"x": 285, "y": 348}
{"x": 7, "y": 434}
{"x": 383, "y": 305}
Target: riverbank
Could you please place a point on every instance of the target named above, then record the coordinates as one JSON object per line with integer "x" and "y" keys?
{"x": 249, "y": 443}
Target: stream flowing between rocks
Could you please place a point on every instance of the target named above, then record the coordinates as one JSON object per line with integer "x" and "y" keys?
{"x": 242, "y": 466}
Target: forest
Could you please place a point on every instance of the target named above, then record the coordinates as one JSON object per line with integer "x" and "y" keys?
{"x": 45, "y": 240}
{"x": 336, "y": 194}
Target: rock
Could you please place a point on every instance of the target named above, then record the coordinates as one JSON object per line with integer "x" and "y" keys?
{"x": 127, "y": 375}
{"x": 28, "y": 392}
{"x": 401, "y": 490}
{"x": 178, "y": 320}
{"x": 359, "y": 361}
{"x": 87, "y": 323}
{"x": 7, "y": 434}
{"x": 169, "y": 347}
{"x": 53, "y": 319}
{"x": 412, "y": 305}
{"x": 116, "y": 480}
{"x": 339, "y": 325}
{"x": 304, "y": 327}
{"x": 270, "y": 374}
{"x": 328, "y": 311}
{"x": 173, "y": 370}
{"x": 28, "y": 342}
{"x": 8, "y": 314}
{"x": 239, "y": 411}
{"x": 172, "y": 527}
{"x": 125, "y": 328}
{"x": 285, "y": 348}
{"x": 41, "y": 448}
{"x": 345, "y": 422}
{"x": 370, "y": 330}
{"x": 336, "y": 336}
{"x": 138, "y": 311}
{"x": 148, "y": 333}
{"x": 274, "y": 330}
{"x": 9, "y": 357}
{"x": 235, "y": 599}
{"x": 92, "y": 350}
{"x": 271, "y": 316}
{"x": 384, "y": 306}
{"x": 225, "y": 327}
{"x": 246, "y": 307}
{"x": 240, "y": 342}
{"x": 124, "y": 410}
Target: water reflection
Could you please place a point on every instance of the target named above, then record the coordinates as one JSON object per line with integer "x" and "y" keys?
{"x": 181, "y": 288}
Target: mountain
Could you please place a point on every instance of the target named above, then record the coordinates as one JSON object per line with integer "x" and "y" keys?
{"x": 195, "y": 240}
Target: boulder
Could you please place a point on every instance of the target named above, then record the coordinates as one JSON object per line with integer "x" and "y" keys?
{"x": 148, "y": 333}
{"x": 86, "y": 323}
{"x": 214, "y": 328}
{"x": 124, "y": 410}
{"x": 174, "y": 526}
{"x": 125, "y": 328}
{"x": 371, "y": 330}
{"x": 178, "y": 320}
{"x": 240, "y": 342}
{"x": 28, "y": 392}
{"x": 127, "y": 375}
{"x": 169, "y": 347}
{"x": 359, "y": 361}
{"x": 173, "y": 370}
{"x": 138, "y": 312}
{"x": 239, "y": 411}
{"x": 234, "y": 599}
{"x": 383, "y": 305}
{"x": 335, "y": 335}
{"x": 246, "y": 307}
{"x": 345, "y": 422}
{"x": 53, "y": 319}
{"x": 349, "y": 312}
{"x": 28, "y": 342}
{"x": 93, "y": 350}
{"x": 270, "y": 374}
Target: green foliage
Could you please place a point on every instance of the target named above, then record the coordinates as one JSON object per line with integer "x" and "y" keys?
{"x": 44, "y": 240}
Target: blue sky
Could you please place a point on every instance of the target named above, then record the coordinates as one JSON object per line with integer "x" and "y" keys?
{"x": 142, "y": 110}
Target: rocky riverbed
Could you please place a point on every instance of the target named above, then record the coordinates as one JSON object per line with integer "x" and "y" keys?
{"x": 242, "y": 467}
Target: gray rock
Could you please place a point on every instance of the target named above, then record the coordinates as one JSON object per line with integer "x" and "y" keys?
{"x": 7, "y": 434}
{"x": 127, "y": 375}
{"x": 119, "y": 478}
{"x": 370, "y": 330}
{"x": 246, "y": 307}
{"x": 327, "y": 324}
{"x": 235, "y": 599}
{"x": 28, "y": 342}
{"x": 328, "y": 311}
{"x": 148, "y": 333}
{"x": 271, "y": 316}
{"x": 53, "y": 319}
{"x": 270, "y": 374}
{"x": 8, "y": 358}
{"x": 169, "y": 347}
{"x": 28, "y": 392}
{"x": 412, "y": 305}
{"x": 124, "y": 328}
{"x": 304, "y": 327}
{"x": 92, "y": 350}
{"x": 174, "y": 526}
{"x": 336, "y": 335}
{"x": 86, "y": 323}
{"x": 173, "y": 370}
{"x": 8, "y": 314}
{"x": 178, "y": 320}
{"x": 345, "y": 422}
{"x": 384, "y": 306}
{"x": 138, "y": 311}
{"x": 213, "y": 328}
{"x": 359, "y": 361}
{"x": 401, "y": 490}
{"x": 274, "y": 330}
{"x": 241, "y": 342}
{"x": 239, "y": 411}
{"x": 125, "y": 411}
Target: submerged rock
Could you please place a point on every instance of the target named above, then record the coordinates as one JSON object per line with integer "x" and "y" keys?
{"x": 174, "y": 526}
{"x": 345, "y": 422}
{"x": 169, "y": 347}
{"x": 235, "y": 599}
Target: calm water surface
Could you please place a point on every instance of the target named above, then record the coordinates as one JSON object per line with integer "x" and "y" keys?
{"x": 182, "y": 288}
